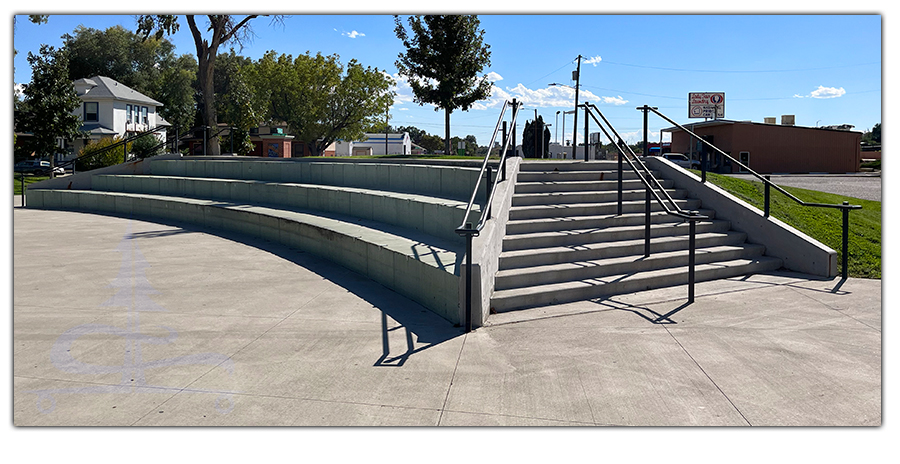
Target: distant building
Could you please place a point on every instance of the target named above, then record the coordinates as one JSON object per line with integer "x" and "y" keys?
{"x": 771, "y": 148}
{"x": 374, "y": 144}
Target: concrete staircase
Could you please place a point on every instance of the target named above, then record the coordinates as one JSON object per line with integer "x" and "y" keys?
{"x": 564, "y": 241}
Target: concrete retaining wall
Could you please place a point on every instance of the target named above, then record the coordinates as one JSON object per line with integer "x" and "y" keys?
{"x": 798, "y": 251}
{"x": 486, "y": 248}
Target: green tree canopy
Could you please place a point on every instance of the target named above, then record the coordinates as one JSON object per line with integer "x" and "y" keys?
{"x": 221, "y": 30}
{"x": 443, "y": 59}
{"x": 49, "y": 102}
{"x": 148, "y": 66}
{"x": 320, "y": 99}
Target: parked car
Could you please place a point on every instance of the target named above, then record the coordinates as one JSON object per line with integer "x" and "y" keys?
{"x": 682, "y": 160}
{"x": 36, "y": 167}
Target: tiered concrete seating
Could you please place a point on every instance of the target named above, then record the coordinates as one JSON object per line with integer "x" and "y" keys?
{"x": 391, "y": 222}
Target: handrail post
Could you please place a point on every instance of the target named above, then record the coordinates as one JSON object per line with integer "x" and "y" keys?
{"x": 647, "y": 221}
{"x": 704, "y": 160}
{"x": 468, "y": 321}
{"x": 503, "y": 164}
{"x": 768, "y": 189}
{"x": 587, "y": 142}
{"x": 692, "y": 248}
{"x": 487, "y": 193}
{"x": 619, "y": 183}
{"x": 22, "y": 181}
{"x": 846, "y": 240}
{"x": 515, "y": 123}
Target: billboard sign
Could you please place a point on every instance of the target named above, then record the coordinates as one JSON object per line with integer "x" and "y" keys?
{"x": 706, "y": 105}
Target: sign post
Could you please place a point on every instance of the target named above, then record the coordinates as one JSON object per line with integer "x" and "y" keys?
{"x": 706, "y": 105}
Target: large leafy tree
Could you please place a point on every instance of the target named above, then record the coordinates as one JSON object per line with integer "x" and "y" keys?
{"x": 318, "y": 98}
{"x": 221, "y": 30}
{"x": 49, "y": 101}
{"x": 149, "y": 66}
{"x": 443, "y": 59}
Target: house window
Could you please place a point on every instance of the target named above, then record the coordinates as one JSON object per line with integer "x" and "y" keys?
{"x": 128, "y": 119}
{"x": 91, "y": 111}
{"x": 144, "y": 118}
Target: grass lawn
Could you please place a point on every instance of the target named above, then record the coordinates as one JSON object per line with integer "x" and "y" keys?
{"x": 822, "y": 224}
{"x": 29, "y": 179}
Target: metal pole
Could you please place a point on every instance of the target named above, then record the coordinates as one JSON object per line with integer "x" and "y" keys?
{"x": 205, "y": 137}
{"x": 647, "y": 221}
{"x": 619, "y": 181}
{"x": 692, "y": 248}
{"x": 586, "y": 122}
{"x": 515, "y": 113}
{"x": 487, "y": 193}
{"x": 468, "y": 278}
{"x": 768, "y": 188}
{"x": 575, "y": 123}
{"x": 22, "y": 181}
{"x": 231, "y": 136}
{"x": 556, "y": 131}
{"x": 846, "y": 241}
{"x": 503, "y": 165}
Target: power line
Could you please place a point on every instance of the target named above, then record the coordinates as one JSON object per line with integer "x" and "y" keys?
{"x": 738, "y": 71}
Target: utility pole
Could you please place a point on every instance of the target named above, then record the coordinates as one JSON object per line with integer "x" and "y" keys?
{"x": 575, "y": 123}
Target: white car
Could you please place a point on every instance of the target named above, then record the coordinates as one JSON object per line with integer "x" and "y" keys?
{"x": 682, "y": 160}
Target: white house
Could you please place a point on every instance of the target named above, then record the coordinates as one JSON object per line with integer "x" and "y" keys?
{"x": 110, "y": 109}
{"x": 374, "y": 144}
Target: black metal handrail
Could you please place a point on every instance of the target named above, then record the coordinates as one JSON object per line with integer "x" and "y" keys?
{"x": 465, "y": 228}
{"x": 651, "y": 184}
{"x": 845, "y": 207}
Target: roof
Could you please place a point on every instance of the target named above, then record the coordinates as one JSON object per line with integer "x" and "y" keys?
{"x": 97, "y": 129}
{"x": 105, "y": 87}
{"x": 725, "y": 122}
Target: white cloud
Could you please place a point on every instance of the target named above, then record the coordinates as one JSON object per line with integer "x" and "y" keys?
{"x": 494, "y": 77}
{"x": 824, "y": 92}
{"x": 593, "y": 60}
{"x": 615, "y": 100}
{"x": 352, "y": 34}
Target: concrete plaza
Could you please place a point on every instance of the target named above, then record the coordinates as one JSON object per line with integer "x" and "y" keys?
{"x": 127, "y": 322}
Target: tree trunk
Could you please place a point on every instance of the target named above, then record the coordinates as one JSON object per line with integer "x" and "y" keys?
{"x": 447, "y": 131}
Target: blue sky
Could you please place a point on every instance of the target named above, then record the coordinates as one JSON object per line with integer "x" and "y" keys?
{"x": 824, "y": 69}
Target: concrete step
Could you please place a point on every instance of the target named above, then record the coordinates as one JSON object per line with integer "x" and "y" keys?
{"x": 432, "y": 215}
{"x": 583, "y": 270}
{"x": 590, "y": 209}
{"x": 529, "y": 226}
{"x": 583, "y": 186}
{"x": 421, "y": 267}
{"x": 555, "y": 293}
{"x": 593, "y": 251}
{"x": 548, "y": 166}
{"x": 575, "y": 176}
{"x": 558, "y": 198}
{"x": 607, "y": 235}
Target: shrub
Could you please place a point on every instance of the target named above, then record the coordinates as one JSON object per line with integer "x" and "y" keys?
{"x": 88, "y": 159}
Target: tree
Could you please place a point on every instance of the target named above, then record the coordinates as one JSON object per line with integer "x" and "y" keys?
{"x": 444, "y": 55}
{"x": 872, "y": 137}
{"x": 431, "y": 143}
{"x": 242, "y": 112}
{"x": 223, "y": 29}
{"x": 49, "y": 102}
{"x": 149, "y": 66}
{"x": 320, "y": 99}
{"x": 528, "y": 142}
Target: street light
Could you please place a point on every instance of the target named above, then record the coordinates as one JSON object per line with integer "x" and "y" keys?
{"x": 556, "y": 133}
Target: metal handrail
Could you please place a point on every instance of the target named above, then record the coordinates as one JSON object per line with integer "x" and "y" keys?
{"x": 465, "y": 228}
{"x": 845, "y": 207}
{"x": 649, "y": 181}
{"x": 675, "y": 210}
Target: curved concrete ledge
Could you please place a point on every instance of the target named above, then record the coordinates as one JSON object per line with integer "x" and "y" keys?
{"x": 434, "y": 216}
{"x": 424, "y": 271}
{"x": 453, "y": 182}
{"x": 798, "y": 251}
